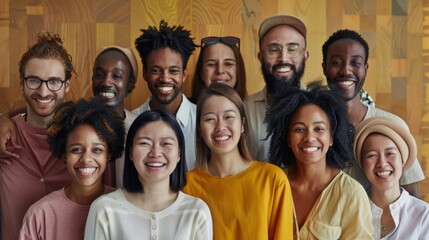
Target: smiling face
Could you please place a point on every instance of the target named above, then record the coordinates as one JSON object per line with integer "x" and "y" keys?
{"x": 221, "y": 125}
{"x": 164, "y": 75}
{"x": 282, "y": 69}
{"x": 381, "y": 162}
{"x": 309, "y": 135}
{"x": 155, "y": 152}
{"x": 43, "y": 102}
{"x": 345, "y": 67}
{"x": 86, "y": 156}
{"x": 219, "y": 65}
{"x": 110, "y": 78}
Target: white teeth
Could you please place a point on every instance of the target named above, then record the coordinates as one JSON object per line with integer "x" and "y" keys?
{"x": 86, "y": 170}
{"x": 165, "y": 88}
{"x": 310, "y": 149}
{"x": 224, "y": 138}
{"x": 219, "y": 81}
{"x": 107, "y": 94}
{"x": 383, "y": 174}
{"x": 345, "y": 83}
{"x": 283, "y": 69}
{"x": 44, "y": 101}
{"x": 155, "y": 164}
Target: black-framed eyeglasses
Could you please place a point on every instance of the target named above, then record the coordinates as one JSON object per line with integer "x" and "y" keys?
{"x": 228, "y": 40}
{"x": 293, "y": 50}
{"x": 34, "y": 83}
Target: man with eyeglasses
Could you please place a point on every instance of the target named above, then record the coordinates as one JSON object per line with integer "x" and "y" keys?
{"x": 282, "y": 44}
{"x": 45, "y": 72}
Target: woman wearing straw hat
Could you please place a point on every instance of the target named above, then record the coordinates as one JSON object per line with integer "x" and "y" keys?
{"x": 384, "y": 149}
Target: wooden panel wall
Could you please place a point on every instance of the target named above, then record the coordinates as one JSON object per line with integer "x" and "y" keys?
{"x": 396, "y": 30}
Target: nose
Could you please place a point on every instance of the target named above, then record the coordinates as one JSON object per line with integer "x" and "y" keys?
{"x": 345, "y": 69}
{"x": 309, "y": 136}
{"x": 165, "y": 75}
{"x": 220, "y": 125}
{"x": 155, "y": 151}
{"x": 86, "y": 157}
{"x": 283, "y": 56}
{"x": 381, "y": 160}
{"x": 43, "y": 90}
{"x": 220, "y": 69}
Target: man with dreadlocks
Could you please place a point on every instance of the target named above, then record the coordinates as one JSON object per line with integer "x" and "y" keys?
{"x": 165, "y": 53}
{"x": 45, "y": 72}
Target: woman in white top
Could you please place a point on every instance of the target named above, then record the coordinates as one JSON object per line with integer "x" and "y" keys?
{"x": 152, "y": 205}
{"x": 384, "y": 149}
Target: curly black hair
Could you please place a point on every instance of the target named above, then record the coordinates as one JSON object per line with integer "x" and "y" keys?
{"x": 175, "y": 37}
{"x": 287, "y": 102}
{"x": 345, "y": 34}
{"x": 108, "y": 125}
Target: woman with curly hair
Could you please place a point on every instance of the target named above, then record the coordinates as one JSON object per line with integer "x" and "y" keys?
{"x": 85, "y": 135}
{"x": 312, "y": 139}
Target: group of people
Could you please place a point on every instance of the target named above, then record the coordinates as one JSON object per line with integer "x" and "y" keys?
{"x": 288, "y": 162}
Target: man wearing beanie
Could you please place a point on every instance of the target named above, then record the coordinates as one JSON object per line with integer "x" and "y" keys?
{"x": 114, "y": 76}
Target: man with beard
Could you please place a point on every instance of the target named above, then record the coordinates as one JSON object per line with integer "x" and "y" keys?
{"x": 165, "y": 53}
{"x": 282, "y": 44}
{"x": 45, "y": 71}
{"x": 345, "y": 64}
{"x": 114, "y": 76}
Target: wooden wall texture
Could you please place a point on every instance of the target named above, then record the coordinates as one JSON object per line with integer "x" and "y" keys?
{"x": 397, "y": 32}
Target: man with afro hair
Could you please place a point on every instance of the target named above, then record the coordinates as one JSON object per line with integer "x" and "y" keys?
{"x": 165, "y": 52}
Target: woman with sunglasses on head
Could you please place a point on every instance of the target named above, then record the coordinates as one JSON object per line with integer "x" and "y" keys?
{"x": 86, "y": 135}
{"x": 151, "y": 205}
{"x": 220, "y": 61}
{"x": 248, "y": 199}
{"x": 384, "y": 149}
{"x": 312, "y": 138}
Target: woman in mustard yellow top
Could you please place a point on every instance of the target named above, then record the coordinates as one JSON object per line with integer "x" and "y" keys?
{"x": 312, "y": 138}
{"x": 247, "y": 199}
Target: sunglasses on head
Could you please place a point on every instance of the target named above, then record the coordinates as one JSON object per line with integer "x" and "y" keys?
{"x": 229, "y": 40}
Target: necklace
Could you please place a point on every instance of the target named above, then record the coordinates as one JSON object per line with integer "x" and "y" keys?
{"x": 383, "y": 228}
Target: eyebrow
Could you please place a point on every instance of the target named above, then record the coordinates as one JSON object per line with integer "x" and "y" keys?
{"x": 226, "y": 111}
{"x": 302, "y": 123}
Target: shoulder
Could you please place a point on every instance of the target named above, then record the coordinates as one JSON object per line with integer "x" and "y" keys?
{"x": 264, "y": 171}
{"x": 115, "y": 196}
{"x": 192, "y": 201}
{"x": 376, "y": 112}
{"x": 349, "y": 186}
{"x": 416, "y": 205}
{"x": 258, "y": 96}
{"x": 144, "y": 107}
{"x": 50, "y": 202}
{"x": 195, "y": 204}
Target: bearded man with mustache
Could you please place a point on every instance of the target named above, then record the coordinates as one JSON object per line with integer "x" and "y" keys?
{"x": 282, "y": 43}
